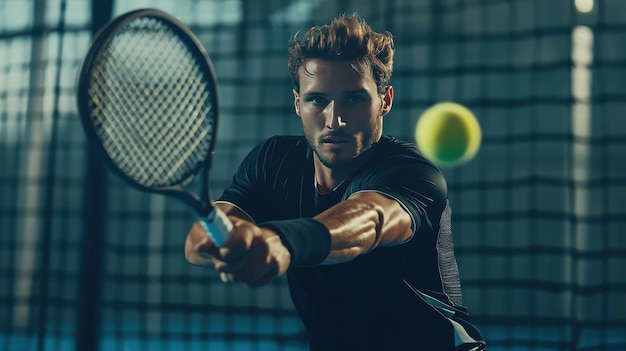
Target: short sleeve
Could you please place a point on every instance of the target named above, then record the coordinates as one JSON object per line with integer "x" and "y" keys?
{"x": 268, "y": 183}
{"x": 400, "y": 172}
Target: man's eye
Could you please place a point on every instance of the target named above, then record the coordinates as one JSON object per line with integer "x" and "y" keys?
{"x": 354, "y": 99}
{"x": 318, "y": 100}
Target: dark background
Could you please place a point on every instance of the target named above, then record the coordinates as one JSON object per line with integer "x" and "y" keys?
{"x": 538, "y": 215}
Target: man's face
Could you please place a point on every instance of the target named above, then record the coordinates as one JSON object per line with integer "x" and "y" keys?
{"x": 341, "y": 111}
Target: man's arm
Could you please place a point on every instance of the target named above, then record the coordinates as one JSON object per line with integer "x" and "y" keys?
{"x": 363, "y": 222}
{"x": 256, "y": 255}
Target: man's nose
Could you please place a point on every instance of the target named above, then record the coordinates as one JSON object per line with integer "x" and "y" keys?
{"x": 333, "y": 116}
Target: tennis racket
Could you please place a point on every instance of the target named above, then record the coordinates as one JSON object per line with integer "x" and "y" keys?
{"x": 148, "y": 101}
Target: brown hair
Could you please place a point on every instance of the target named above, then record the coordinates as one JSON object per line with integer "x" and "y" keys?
{"x": 346, "y": 38}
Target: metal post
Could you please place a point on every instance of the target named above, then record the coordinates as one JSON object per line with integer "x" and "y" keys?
{"x": 90, "y": 298}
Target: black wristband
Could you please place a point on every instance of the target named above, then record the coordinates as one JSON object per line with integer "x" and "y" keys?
{"x": 307, "y": 240}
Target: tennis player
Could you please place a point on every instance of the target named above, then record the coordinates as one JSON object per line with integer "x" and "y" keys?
{"x": 359, "y": 221}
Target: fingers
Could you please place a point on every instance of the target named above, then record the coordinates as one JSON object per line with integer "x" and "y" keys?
{"x": 264, "y": 259}
{"x": 253, "y": 275}
{"x": 255, "y": 262}
{"x": 252, "y": 255}
{"x": 199, "y": 249}
{"x": 240, "y": 241}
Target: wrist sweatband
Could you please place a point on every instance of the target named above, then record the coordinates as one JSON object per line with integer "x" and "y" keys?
{"x": 307, "y": 240}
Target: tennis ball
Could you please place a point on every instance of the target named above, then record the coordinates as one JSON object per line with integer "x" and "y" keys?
{"x": 448, "y": 134}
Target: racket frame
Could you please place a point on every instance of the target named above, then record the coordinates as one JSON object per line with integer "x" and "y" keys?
{"x": 213, "y": 220}
{"x": 201, "y": 204}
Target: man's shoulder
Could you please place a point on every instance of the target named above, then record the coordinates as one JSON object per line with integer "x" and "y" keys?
{"x": 391, "y": 146}
{"x": 294, "y": 140}
{"x": 284, "y": 146}
{"x": 403, "y": 158}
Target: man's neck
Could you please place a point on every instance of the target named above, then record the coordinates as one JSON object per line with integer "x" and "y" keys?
{"x": 327, "y": 180}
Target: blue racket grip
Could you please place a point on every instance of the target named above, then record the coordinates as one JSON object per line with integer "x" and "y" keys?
{"x": 217, "y": 226}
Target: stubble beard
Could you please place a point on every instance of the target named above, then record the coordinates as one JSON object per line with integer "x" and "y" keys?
{"x": 332, "y": 160}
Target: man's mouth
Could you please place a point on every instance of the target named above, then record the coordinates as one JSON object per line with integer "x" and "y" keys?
{"x": 336, "y": 139}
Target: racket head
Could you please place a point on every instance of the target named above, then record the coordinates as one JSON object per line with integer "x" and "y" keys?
{"x": 148, "y": 102}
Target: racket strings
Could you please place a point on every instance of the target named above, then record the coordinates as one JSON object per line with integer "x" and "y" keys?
{"x": 152, "y": 105}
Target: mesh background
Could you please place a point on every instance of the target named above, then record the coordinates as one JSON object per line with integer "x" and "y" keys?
{"x": 538, "y": 216}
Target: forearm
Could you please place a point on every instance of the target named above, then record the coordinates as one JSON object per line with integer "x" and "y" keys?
{"x": 355, "y": 226}
{"x": 363, "y": 222}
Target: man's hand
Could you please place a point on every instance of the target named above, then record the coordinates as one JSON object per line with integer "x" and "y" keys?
{"x": 252, "y": 255}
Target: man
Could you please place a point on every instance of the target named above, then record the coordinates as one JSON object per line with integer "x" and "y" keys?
{"x": 357, "y": 220}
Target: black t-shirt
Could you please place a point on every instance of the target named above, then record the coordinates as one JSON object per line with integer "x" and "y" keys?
{"x": 364, "y": 304}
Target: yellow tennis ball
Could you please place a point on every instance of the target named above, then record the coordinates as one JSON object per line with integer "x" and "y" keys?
{"x": 448, "y": 134}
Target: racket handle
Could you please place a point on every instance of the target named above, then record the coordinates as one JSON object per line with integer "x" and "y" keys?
{"x": 217, "y": 226}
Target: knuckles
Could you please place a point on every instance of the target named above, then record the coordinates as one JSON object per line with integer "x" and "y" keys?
{"x": 251, "y": 256}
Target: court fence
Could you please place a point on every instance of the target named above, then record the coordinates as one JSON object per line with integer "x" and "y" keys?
{"x": 539, "y": 215}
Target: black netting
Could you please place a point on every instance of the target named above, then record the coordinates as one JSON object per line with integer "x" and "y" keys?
{"x": 539, "y": 215}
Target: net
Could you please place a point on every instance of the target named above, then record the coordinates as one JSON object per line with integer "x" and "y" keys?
{"x": 538, "y": 215}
